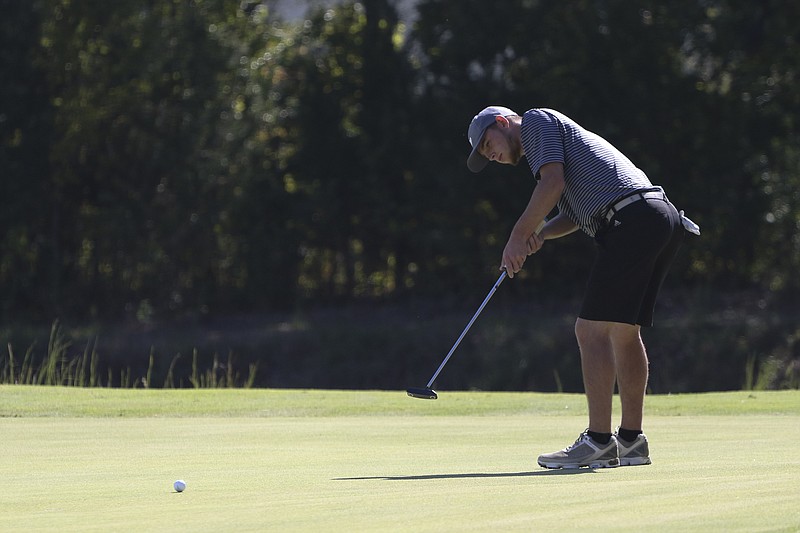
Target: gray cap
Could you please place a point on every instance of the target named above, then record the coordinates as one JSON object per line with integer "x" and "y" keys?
{"x": 476, "y": 162}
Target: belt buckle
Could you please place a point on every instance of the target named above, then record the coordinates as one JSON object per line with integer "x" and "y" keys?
{"x": 612, "y": 209}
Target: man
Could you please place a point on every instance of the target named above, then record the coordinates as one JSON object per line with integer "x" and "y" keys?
{"x": 638, "y": 232}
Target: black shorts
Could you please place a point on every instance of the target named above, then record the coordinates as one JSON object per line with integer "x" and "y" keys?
{"x": 634, "y": 253}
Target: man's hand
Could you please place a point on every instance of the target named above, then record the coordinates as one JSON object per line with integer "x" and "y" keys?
{"x": 516, "y": 251}
{"x": 535, "y": 243}
{"x": 514, "y": 255}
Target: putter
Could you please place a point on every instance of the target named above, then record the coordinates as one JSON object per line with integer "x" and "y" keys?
{"x": 427, "y": 393}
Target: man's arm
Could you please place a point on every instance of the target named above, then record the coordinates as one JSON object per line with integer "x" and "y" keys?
{"x": 544, "y": 198}
{"x": 559, "y": 226}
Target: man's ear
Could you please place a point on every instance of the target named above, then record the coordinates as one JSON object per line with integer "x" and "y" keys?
{"x": 502, "y": 121}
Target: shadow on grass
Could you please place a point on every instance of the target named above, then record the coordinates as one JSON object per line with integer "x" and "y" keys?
{"x": 478, "y": 475}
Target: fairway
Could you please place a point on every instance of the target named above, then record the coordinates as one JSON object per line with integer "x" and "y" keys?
{"x": 103, "y": 460}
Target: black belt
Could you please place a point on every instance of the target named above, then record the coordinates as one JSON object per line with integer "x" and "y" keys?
{"x": 614, "y": 208}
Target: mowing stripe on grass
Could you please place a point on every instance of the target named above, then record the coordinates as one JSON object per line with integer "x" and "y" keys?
{"x": 23, "y": 400}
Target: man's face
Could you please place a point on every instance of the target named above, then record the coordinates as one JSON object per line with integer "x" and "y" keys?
{"x": 499, "y": 145}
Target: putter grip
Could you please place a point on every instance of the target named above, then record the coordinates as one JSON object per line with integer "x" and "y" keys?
{"x": 539, "y": 228}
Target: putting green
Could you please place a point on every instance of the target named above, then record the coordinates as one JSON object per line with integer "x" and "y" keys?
{"x": 343, "y": 465}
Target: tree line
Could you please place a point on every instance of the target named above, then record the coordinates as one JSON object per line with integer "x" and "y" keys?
{"x": 194, "y": 158}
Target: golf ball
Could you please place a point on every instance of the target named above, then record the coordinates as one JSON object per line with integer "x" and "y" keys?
{"x": 179, "y": 485}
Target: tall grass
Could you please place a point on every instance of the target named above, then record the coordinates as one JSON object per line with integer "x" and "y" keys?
{"x": 58, "y": 368}
{"x": 219, "y": 376}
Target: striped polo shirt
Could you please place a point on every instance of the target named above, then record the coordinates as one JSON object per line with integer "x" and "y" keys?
{"x": 595, "y": 173}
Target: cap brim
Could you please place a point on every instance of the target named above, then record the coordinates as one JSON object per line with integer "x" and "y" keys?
{"x": 476, "y": 162}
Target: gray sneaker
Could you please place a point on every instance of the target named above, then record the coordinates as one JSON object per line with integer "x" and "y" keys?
{"x": 634, "y": 453}
{"x": 584, "y": 452}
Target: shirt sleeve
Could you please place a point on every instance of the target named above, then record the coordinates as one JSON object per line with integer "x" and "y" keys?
{"x": 541, "y": 139}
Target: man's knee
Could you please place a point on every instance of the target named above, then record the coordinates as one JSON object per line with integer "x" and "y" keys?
{"x": 589, "y": 332}
{"x": 625, "y": 336}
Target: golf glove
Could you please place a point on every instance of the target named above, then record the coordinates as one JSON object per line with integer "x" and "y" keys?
{"x": 688, "y": 225}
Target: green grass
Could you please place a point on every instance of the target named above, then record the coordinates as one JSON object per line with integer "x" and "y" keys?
{"x": 101, "y": 460}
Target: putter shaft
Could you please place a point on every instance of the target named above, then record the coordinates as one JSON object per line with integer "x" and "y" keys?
{"x": 466, "y": 329}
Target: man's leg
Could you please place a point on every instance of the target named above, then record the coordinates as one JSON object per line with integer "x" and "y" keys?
{"x": 632, "y": 373}
{"x": 609, "y": 351}
{"x": 596, "y": 447}
{"x": 599, "y": 372}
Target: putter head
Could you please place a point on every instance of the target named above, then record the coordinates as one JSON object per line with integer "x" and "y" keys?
{"x": 422, "y": 393}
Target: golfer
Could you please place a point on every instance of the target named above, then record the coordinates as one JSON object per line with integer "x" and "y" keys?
{"x": 637, "y": 231}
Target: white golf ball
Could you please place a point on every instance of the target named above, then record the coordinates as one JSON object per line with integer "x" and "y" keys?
{"x": 179, "y": 485}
